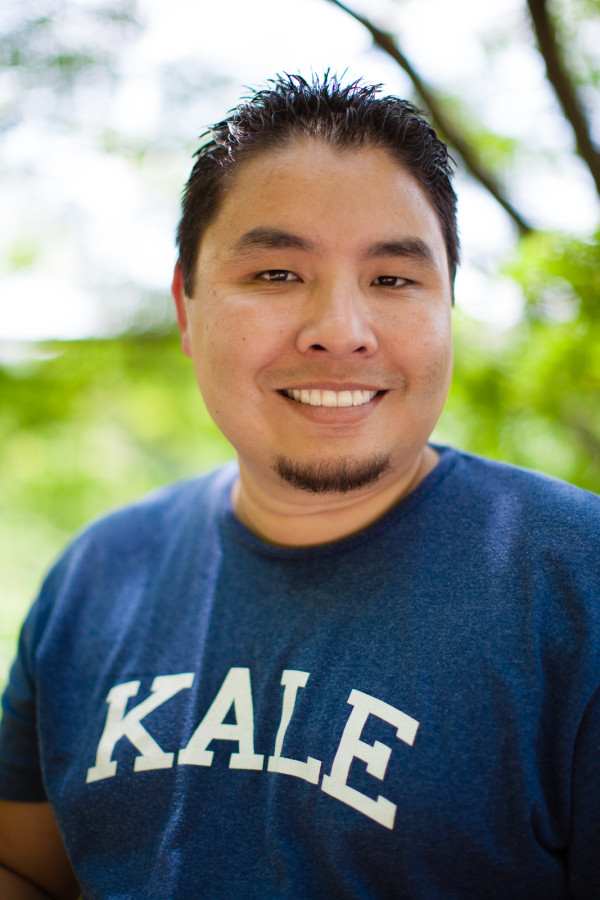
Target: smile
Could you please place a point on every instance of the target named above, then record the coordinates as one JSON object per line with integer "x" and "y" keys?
{"x": 331, "y": 399}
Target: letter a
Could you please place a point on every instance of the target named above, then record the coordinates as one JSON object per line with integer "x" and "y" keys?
{"x": 118, "y": 725}
{"x": 235, "y": 691}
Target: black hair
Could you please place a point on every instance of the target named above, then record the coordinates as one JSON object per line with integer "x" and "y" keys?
{"x": 346, "y": 117}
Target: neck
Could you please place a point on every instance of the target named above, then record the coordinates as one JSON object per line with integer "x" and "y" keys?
{"x": 291, "y": 517}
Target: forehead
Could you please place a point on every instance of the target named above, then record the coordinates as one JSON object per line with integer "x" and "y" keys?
{"x": 337, "y": 198}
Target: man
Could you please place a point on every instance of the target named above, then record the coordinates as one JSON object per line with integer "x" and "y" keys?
{"x": 355, "y": 664}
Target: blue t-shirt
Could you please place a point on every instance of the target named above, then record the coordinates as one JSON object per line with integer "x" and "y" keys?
{"x": 411, "y": 712}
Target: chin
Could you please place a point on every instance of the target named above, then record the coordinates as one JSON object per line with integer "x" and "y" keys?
{"x": 340, "y": 476}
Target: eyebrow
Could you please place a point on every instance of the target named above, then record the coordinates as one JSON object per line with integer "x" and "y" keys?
{"x": 405, "y": 248}
{"x": 273, "y": 239}
{"x": 267, "y": 238}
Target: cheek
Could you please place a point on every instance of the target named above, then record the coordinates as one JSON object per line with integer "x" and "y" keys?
{"x": 216, "y": 334}
{"x": 437, "y": 351}
{"x": 232, "y": 347}
{"x": 437, "y": 377}
{"x": 424, "y": 351}
{"x": 241, "y": 342}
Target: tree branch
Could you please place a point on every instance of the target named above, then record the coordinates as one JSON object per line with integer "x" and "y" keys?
{"x": 443, "y": 123}
{"x": 559, "y": 78}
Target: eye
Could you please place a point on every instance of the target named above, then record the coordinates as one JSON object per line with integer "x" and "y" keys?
{"x": 391, "y": 281}
{"x": 277, "y": 275}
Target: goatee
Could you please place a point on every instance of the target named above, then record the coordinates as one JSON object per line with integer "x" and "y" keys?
{"x": 338, "y": 476}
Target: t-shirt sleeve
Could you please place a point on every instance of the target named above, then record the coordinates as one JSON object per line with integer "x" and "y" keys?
{"x": 584, "y": 852}
{"x": 20, "y": 769}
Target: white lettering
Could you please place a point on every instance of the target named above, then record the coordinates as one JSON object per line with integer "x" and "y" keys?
{"x": 235, "y": 691}
{"x": 309, "y": 770}
{"x": 119, "y": 725}
{"x": 375, "y": 755}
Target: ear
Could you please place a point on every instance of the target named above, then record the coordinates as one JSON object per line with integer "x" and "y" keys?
{"x": 178, "y": 294}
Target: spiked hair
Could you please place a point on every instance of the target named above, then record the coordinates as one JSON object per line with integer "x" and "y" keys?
{"x": 350, "y": 117}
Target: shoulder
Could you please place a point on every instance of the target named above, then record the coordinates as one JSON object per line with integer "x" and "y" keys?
{"x": 164, "y": 509}
{"x": 515, "y": 503}
{"x": 142, "y": 535}
{"x": 528, "y": 546}
{"x": 121, "y": 558}
{"x": 490, "y": 478}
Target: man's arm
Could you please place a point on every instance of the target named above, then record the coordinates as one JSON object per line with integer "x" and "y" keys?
{"x": 13, "y": 887}
{"x": 33, "y": 861}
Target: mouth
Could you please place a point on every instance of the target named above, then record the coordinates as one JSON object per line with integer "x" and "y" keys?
{"x": 331, "y": 399}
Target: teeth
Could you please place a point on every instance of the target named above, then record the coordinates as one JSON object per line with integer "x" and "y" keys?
{"x": 331, "y": 399}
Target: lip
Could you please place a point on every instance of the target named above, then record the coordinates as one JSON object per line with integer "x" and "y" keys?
{"x": 332, "y": 386}
{"x": 333, "y": 414}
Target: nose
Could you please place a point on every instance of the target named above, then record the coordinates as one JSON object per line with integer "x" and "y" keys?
{"x": 338, "y": 322}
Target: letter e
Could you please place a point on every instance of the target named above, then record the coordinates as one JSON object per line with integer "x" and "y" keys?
{"x": 375, "y": 755}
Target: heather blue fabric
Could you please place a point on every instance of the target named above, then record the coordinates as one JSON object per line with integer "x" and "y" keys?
{"x": 472, "y": 607}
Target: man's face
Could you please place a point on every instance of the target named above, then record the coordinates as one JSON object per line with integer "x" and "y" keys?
{"x": 319, "y": 325}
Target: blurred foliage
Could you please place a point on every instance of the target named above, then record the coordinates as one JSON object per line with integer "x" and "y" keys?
{"x": 530, "y": 395}
{"x": 578, "y": 22}
{"x": 63, "y": 61}
{"x": 496, "y": 151}
{"x": 86, "y": 426}
{"x": 107, "y": 419}
{"x": 51, "y": 44}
